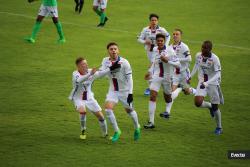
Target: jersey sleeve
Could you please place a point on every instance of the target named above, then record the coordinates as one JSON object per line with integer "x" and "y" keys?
{"x": 127, "y": 68}
{"x": 217, "y": 65}
{"x": 141, "y": 37}
{"x": 103, "y": 65}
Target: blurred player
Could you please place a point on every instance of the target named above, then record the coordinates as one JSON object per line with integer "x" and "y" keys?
{"x": 147, "y": 38}
{"x": 209, "y": 75}
{"x": 48, "y": 8}
{"x": 181, "y": 75}
{"x": 120, "y": 89}
{"x": 164, "y": 62}
{"x": 79, "y": 5}
{"x": 99, "y": 6}
{"x": 83, "y": 97}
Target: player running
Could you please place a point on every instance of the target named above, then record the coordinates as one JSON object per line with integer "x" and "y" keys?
{"x": 181, "y": 75}
{"x": 147, "y": 38}
{"x": 48, "y": 8}
{"x": 83, "y": 97}
{"x": 120, "y": 89}
{"x": 99, "y": 6}
{"x": 161, "y": 71}
{"x": 79, "y": 6}
{"x": 209, "y": 75}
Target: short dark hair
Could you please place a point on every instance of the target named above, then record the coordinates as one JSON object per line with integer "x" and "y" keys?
{"x": 208, "y": 44}
{"x": 153, "y": 15}
{"x": 161, "y": 36}
{"x": 79, "y": 59}
{"x": 111, "y": 44}
{"x": 177, "y": 29}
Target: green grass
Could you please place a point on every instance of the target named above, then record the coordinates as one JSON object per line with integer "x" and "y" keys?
{"x": 38, "y": 125}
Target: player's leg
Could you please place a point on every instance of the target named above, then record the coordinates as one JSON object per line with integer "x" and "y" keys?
{"x": 93, "y": 106}
{"x": 123, "y": 98}
{"x": 215, "y": 99}
{"x": 132, "y": 113}
{"x": 81, "y": 3}
{"x": 77, "y": 5}
{"x": 42, "y": 13}
{"x": 109, "y": 106}
{"x": 167, "y": 90}
{"x": 151, "y": 59}
{"x": 154, "y": 89}
{"x": 199, "y": 99}
{"x": 54, "y": 13}
{"x": 82, "y": 115}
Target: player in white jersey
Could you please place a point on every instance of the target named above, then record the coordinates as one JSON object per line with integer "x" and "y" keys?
{"x": 161, "y": 71}
{"x": 181, "y": 75}
{"x": 120, "y": 89}
{"x": 83, "y": 97}
{"x": 209, "y": 74}
{"x": 148, "y": 38}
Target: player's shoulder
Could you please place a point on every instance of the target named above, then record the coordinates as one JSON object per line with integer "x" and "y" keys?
{"x": 105, "y": 59}
{"x": 75, "y": 73}
{"x": 145, "y": 29}
{"x": 215, "y": 57}
{"x": 123, "y": 60}
{"x": 184, "y": 45}
{"x": 198, "y": 55}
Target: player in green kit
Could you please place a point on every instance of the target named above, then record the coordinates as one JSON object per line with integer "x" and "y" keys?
{"x": 48, "y": 8}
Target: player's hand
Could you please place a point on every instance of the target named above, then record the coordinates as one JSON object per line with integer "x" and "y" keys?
{"x": 130, "y": 99}
{"x": 93, "y": 71}
{"x": 116, "y": 65}
{"x": 148, "y": 42}
{"x": 203, "y": 85}
{"x": 164, "y": 59}
{"x": 147, "y": 76}
{"x": 31, "y": 1}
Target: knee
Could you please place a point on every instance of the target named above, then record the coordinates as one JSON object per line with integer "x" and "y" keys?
{"x": 55, "y": 19}
{"x": 168, "y": 98}
{"x": 153, "y": 98}
{"x": 187, "y": 91}
{"x": 197, "y": 103}
{"x": 215, "y": 107}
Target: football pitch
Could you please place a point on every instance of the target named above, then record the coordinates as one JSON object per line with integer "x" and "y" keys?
{"x": 39, "y": 126}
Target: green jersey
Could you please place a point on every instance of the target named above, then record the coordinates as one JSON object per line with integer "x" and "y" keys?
{"x": 50, "y": 2}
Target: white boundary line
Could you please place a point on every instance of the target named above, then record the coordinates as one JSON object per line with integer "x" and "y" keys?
{"x": 122, "y": 31}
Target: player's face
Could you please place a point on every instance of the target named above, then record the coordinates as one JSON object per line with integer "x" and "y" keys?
{"x": 153, "y": 22}
{"x": 113, "y": 52}
{"x": 82, "y": 66}
{"x": 206, "y": 50}
{"x": 160, "y": 42}
{"x": 177, "y": 36}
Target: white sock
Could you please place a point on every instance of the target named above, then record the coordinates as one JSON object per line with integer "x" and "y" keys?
{"x": 217, "y": 115}
{"x": 83, "y": 121}
{"x": 112, "y": 119}
{"x": 193, "y": 91}
{"x": 169, "y": 106}
{"x": 151, "y": 109}
{"x": 134, "y": 117}
{"x": 206, "y": 104}
{"x": 176, "y": 93}
{"x": 103, "y": 125}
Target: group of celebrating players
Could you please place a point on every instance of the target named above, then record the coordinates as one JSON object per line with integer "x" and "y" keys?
{"x": 168, "y": 68}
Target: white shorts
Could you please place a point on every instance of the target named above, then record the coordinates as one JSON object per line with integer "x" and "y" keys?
{"x": 48, "y": 11}
{"x": 181, "y": 79}
{"x": 157, "y": 83}
{"x": 114, "y": 96}
{"x": 92, "y": 105}
{"x": 102, "y": 3}
{"x": 213, "y": 91}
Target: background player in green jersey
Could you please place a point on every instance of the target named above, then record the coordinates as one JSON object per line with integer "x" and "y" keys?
{"x": 48, "y": 8}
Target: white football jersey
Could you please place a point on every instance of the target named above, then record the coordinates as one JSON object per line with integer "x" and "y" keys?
{"x": 81, "y": 90}
{"x": 118, "y": 78}
{"x": 160, "y": 69}
{"x": 207, "y": 68}
{"x": 150, "y": 34}
{"x": 183, "y": 53}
